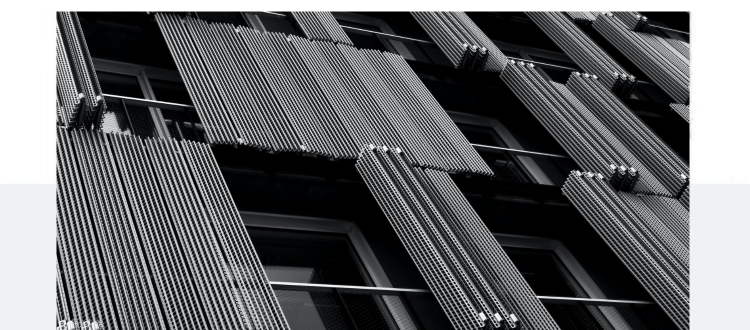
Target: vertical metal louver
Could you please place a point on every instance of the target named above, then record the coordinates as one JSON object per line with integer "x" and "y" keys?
{"x": 471, "y": 276}
{"x": 645, "y": 242}
{"x": 682, "y": 110}
{"x": 655, "y": 56}
{"x": 286, "y": 93}
{"x": 321, "y": 25}
{"x": 161, "y": 241}
{"x": 659, "y": 158}
{"x": 581, "y": 131}
{"x": 78, "y": 90}
{"x": 584, "y": 51}
{"x": 465, "y": 45}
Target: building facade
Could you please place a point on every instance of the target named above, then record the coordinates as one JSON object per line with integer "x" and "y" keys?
{"x": 373, "y": 170}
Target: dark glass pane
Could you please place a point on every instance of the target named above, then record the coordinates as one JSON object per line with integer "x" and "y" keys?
{"x": 544, "y": 272}
{"x": 362, "y": 41}
{"x": 303, "y": 257}
{"x": 120, "y": 84}
{"x": 314, "y": 310}
{"x": 481, "y": 135}
{"x": 278, "y": 24}
{"x": 170, "y": 91}
{"x": 234, "y": 18}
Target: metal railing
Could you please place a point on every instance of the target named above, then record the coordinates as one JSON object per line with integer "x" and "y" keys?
{"x": 394, "y": 307}
{"x": 513, "y": 165}
{"x": 150, "y": 118}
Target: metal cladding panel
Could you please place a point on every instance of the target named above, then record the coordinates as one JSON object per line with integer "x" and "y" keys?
{"x": 620, "y": 220}
{"x": 456, "y": 254}
{"x": 662, "y": 63}
{"x": 234, "y": 241}
{"x": 76, "y": 74}
{"x": 172, "y": 278}
{"x": 119, "y": 243}
{"x": 353, "y": 118}
{"x": 583, "y": 51}
{"x": 286, "y": 93}
{"x": 682, "y": 110}
{"x": 593, "y": 145}
{"x": 149, "y": 238}
{"x": 465, "y": 45}
{"x": 495, "y": 266}
{"x": 659, "y": 158}
{"x": 321, "y": 25}
{"x": 83, "y": 271}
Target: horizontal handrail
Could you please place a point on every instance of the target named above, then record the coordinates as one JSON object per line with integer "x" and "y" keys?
{"x": 149, "y": 103}
{"x": 387, "y": 35}
{"x": 597, "y": 302}
{"x": 396, "y": 291}
{"x": 668, "y": 29}
{"x": 343, "y": 288}
{"x": 515, "y": 151}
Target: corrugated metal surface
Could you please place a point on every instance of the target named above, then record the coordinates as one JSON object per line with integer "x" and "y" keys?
{"x": 656, "y": 57}
{"x": 321, "y": 25}
{"x": 161, "y": 244}
{"x": 646, "y": 243}
{"x": 463, "y": 264}
{"x": 465, "y": 45}
{"x": 583, "y": 132}
{"x": 286, "y": 93}
{"x": 583, "y": 51}
{"x": 78, "y": 90}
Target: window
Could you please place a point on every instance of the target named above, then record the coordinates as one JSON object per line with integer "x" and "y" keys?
{"x": 127, "y": 80}
{"x": 308, "y": 257}
{"x": 325, "y": 276}
{"x": 569, "y": 293}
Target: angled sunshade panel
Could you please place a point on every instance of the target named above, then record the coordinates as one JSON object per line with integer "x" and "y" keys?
{"x": 665, "y": 65}
{"x": 320, "y": 25}
{"x": 584, "y": 51}
{"x": 289, "y": 94}
{"x": 579, "y": 130}
{"x": 471, "y": 276}
{"x": 78, "y": 92}
{"x": 149, "y": 238}
{"x": 650, "y": 246}
{"x": 459, "y": 38}
{"x": 671, "y": 170}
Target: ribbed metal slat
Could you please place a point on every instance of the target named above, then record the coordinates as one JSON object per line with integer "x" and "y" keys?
{"x": 669, "y": 168}
{"x": 443, "y": 284}
{"x": 83, "y": 270}
{"x": 465, "y": 45}
{"x": 134, "y": 294}
{"x": 615, "y": 221}
{"x": 233, "y": 238}
{"x": 352, "y": 117}
{"x": 321, "y": 25}
{"x": 78, "y": 60}
{"x": 657, "y": 62}
{"x": 457, "y": 238}
{"x": 172, "y": 278}
{"x": 582, "y": 50}
{"x": 197, "y": 239}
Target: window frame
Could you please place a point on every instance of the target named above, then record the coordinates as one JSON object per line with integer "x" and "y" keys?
{"x": 323, "y": 225}
{"x": 142, "y": 73}
{"x": 393, "y": 46}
